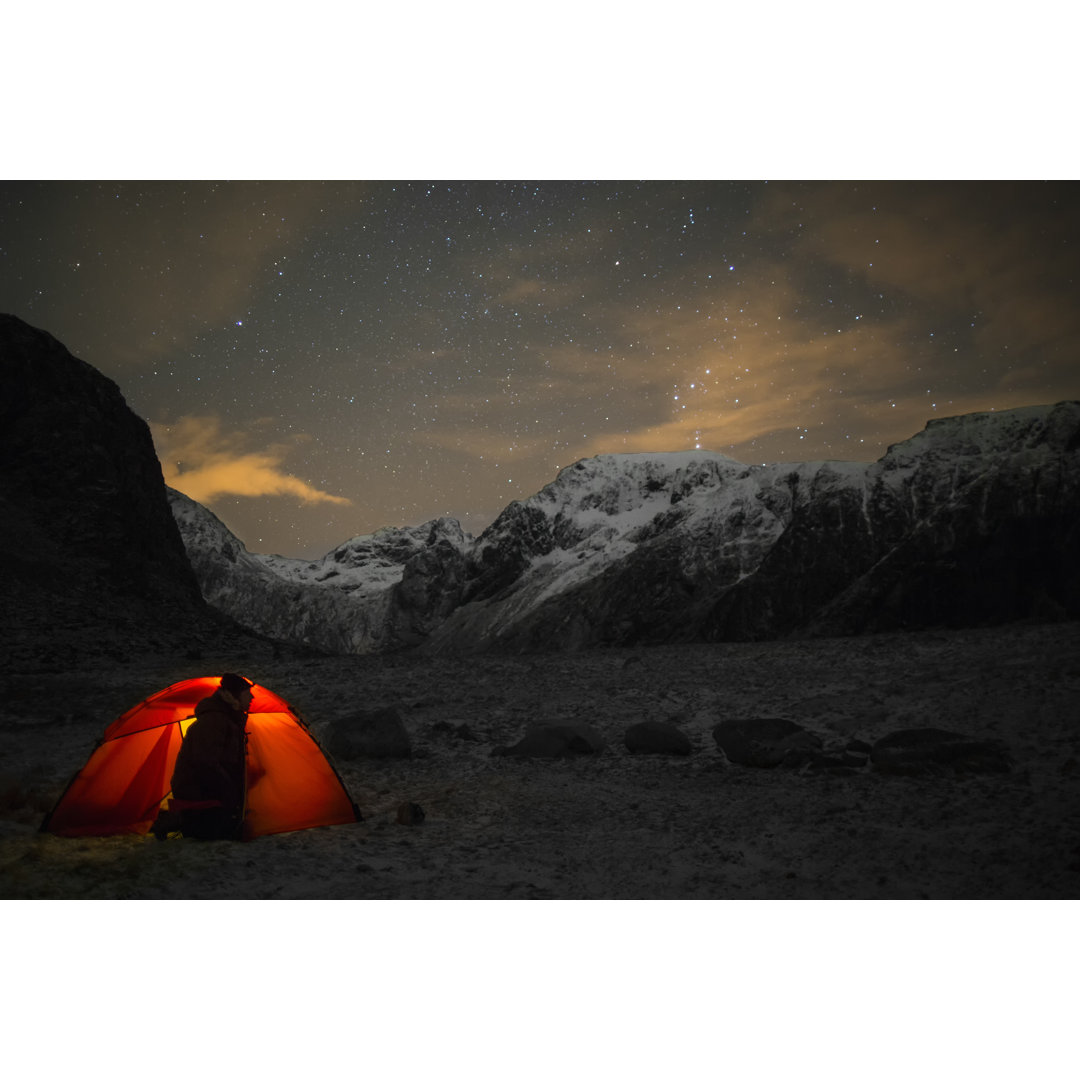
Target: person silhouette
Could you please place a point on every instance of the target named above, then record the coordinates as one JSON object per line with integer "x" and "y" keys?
{"x": 209, "y": 781}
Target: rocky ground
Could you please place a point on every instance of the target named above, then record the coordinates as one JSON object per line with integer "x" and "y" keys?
{"x": 614, "y": 825}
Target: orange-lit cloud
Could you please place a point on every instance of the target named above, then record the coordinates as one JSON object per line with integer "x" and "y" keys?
{"x": 728, "y": 380}
{"x": 206, "y": 463}
{"x": 769, "y": 371}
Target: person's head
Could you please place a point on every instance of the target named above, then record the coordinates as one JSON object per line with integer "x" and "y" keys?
{"x": 236, "y": 690}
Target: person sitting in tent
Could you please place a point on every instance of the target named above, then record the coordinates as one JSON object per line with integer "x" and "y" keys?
{"x": 211, "y": 767}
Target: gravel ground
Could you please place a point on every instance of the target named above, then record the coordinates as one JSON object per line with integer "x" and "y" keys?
{"x": 614, "y": 825}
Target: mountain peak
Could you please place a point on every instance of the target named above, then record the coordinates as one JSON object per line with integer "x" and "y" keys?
{"x": 972, "y": 520}
{"x": 1003, "y": 431}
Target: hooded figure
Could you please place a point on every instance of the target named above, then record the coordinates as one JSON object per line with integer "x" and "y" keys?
{"x": 211, "y": 768}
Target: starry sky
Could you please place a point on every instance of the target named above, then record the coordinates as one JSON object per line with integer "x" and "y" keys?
{"x": 320, "y": 359}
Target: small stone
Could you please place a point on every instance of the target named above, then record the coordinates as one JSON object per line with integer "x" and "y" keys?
{"x": 410, "y": 813}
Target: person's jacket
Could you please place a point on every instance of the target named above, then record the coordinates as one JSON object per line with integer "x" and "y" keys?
{"x": 211, "y": 764}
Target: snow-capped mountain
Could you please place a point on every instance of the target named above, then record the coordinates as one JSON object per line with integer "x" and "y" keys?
{"x": 975, "y": 519}
{"x": 341, "y": 603}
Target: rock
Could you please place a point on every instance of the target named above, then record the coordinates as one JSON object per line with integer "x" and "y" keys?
{"x": 765, "y": 742}
{"x": 656, "y": 737}
{"x": 518, "y": 535}
{"x": 410, "y": 813}
{"x": 919, "y": 750}
{"x": 430, "y": 586}
{"x": 857, "y": 753}
{"x": 375, "y": 734}
{"x": 554, "y": 741}
{"x": 91, "y": 560}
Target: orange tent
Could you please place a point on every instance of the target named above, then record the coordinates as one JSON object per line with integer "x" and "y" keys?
{"x": 291, "y": 784}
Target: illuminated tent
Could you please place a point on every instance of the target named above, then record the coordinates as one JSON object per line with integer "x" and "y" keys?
{"x": 291, "y": 784}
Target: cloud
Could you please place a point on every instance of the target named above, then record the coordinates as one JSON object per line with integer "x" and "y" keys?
{"x": 206, "y": 463}
{"x": 992, "y": 255}
{"x": 723, "y": 381}
{"x": 948, "y": 299}
{"x": 193, "y": 256}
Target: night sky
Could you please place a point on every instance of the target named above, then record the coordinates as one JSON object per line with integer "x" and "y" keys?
{"x": 318, "y": 360}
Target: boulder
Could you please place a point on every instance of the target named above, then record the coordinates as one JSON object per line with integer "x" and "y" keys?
{"x": 554, "y": 741}
{"x": 378, "y": 733}
{"x": 656, "y": 737}
{"x": 765, "y": 742}
{"x": 921, "y": 750}
{"x": 410, "y": 813}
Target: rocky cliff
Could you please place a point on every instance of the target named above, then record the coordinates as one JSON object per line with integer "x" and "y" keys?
{"x": 371, "y": 594}
{"x": 972, "y": 521}
{"x": 91, "y": 560}
{"x": 976, "y": 520}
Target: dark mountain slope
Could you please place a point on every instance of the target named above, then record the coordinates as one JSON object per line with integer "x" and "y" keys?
{"x": 91, "y": 560}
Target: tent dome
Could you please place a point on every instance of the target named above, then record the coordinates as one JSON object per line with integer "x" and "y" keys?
{"x": 291, "y": 784}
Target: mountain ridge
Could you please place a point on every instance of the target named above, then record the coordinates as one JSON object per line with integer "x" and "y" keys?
{"x": 694, "y": 545}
